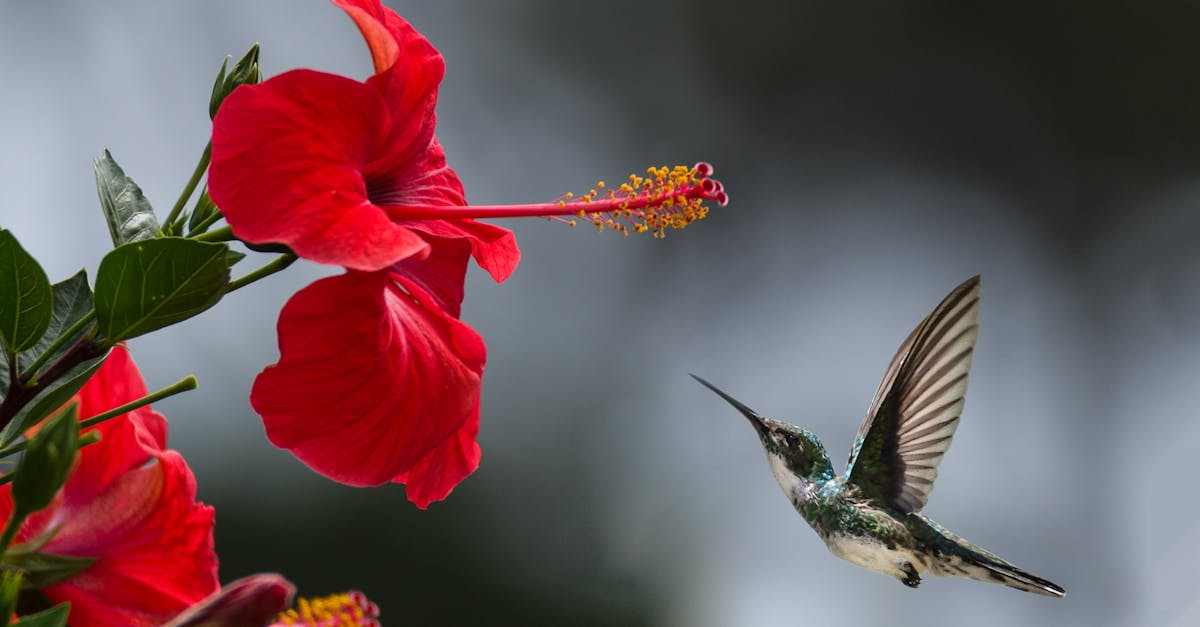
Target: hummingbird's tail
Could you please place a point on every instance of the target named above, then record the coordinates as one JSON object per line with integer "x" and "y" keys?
{"x": 958, "y": 558}
{"x": 981, "y": 568}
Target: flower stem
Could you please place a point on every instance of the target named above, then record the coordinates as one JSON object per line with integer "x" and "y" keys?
{"x": 19, "y": 393}
{"x": 14, "y": 524}
{"x": 223, "y": 234}
{"x": 58, "y": 342}
{"x": 280, "y": 263}
{"x": 183, "y": 385}
{"x": 85, "y": 439}
{"x": 204, "y": 224}
{"x": 201, "y": 168}
{"x": 15, "y": 447}
{"x": 14, "y": 373}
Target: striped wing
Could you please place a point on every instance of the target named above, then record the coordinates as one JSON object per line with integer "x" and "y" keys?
{"x": 916, "y": 408}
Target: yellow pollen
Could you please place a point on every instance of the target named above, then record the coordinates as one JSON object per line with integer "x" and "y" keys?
{"x": 350, "y": 609}
{"x": 665, "y": 198}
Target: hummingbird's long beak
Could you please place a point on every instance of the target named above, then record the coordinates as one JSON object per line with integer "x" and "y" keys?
{"x": 750, "y": 414}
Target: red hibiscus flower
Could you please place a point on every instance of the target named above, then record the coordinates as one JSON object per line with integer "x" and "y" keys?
{"x": 378, "y": 380}
{"x": 262, "y": 600}
{"x": 131, "y": 506}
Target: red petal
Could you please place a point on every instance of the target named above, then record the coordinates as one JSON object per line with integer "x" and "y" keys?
{"x": 408, "y": 71}
{"x": 494, "y": 248}
{"x": 409, "y": 83}
{"x": 369, "y": 381}
{"x": 370, "y": 17}
{"x": 124, "y": 450}
{"x": 414, "y": 175}
{"x": 425, "y": 179}
{"x": 130, "y": 438}
{"x": 152, "y": 541}
{"x": 391, "y": 39}
{"x": 288, "y": 165}
{"x": 439, "y": 472}
{"x": 116, "y": 383}
{"x": 132, "y": 506}
{"x": 441, "y": 274}
{"x": 154, "y": 544}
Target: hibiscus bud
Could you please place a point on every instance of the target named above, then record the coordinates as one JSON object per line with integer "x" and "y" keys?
{"x": 252, "y": 601}
{"x": 47, "y": 461}
{"x": 245, "y": 72}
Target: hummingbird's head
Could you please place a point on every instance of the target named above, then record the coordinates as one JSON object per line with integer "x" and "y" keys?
{"x": 789, "y": 448}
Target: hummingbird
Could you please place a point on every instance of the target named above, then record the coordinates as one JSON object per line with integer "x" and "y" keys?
{"x": 871, "y": 515}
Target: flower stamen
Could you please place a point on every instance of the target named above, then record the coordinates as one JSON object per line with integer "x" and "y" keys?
{"x": 351, "y": 609}
{"x": 664, "y": 198}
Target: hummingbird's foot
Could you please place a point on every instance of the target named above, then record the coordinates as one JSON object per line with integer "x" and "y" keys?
{"x": 911, "y": 579}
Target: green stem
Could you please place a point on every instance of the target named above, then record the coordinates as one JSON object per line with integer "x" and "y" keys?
{"x": 10, "y": 530}
{"x": 223, "y": 234}
{"x": 86, "y": 439}
{"x": 15, "y": 447}
{"x": 280, "y": 263}
{"x": 201, "y": 168}
{"x": 183, "y": 385}
{"x": 205, "y": 223}
{"x": 19, "y": 394}
{"x": 58, "y": 342}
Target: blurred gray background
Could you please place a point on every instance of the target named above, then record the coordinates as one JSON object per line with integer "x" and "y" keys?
{"x": 877, "y": 154}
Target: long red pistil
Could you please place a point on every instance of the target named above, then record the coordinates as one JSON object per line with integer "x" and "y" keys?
{"x": 665, "y": 198}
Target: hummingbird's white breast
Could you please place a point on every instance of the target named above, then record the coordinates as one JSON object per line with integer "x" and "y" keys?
{"x": 870, "y": 553}
{"x": 797, "y": 490}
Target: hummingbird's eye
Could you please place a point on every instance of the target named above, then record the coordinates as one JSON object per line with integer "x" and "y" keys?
{"x": 791, "y": 439}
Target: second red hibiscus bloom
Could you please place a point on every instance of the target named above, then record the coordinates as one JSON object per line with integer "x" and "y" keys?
{"x": 130, "y": 506}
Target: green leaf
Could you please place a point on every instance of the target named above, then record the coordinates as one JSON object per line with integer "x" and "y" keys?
{"x": 147, "y": 285}
{"x": 53, "y": 617}
{"x": 232, "y": 257}
{"x": 25, "y": 296}
{"x": 3, "y": 378}
{"x": 51, "y": 398}
{"x": 72, "y": 301}
{"x": 129, "y": 215}
{"x": 45, "y": 569}
{"x": 47, "y": 462}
